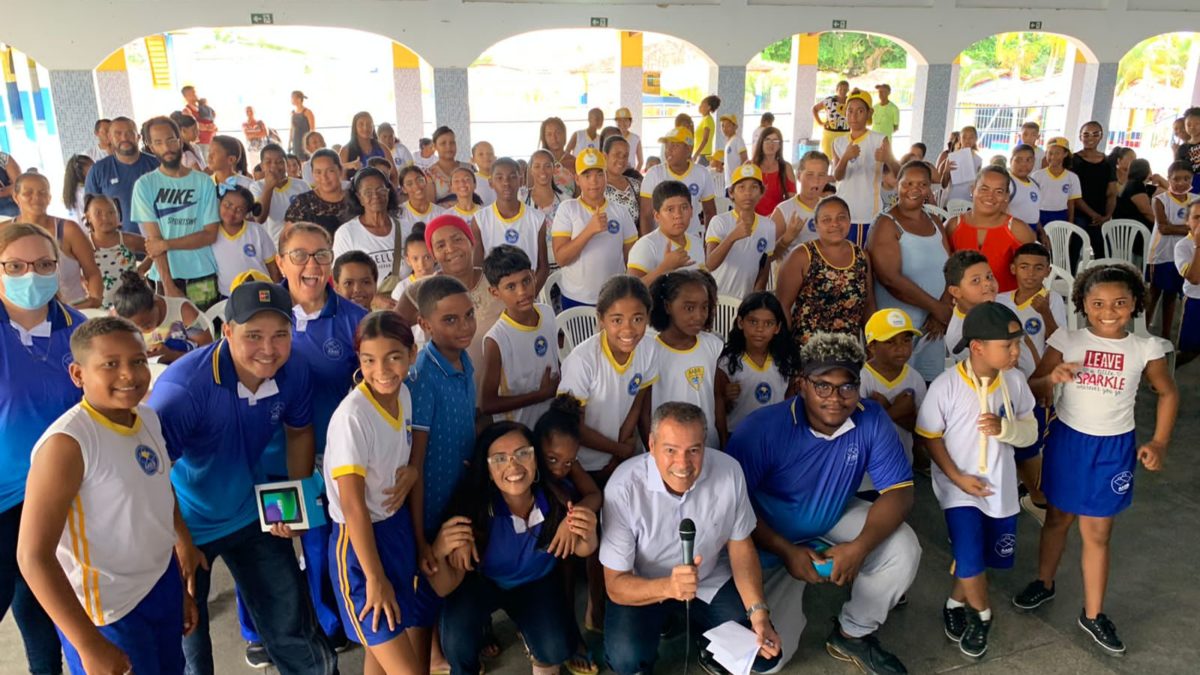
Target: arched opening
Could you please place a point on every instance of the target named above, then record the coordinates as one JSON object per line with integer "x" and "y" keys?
{"x": 1007, "y": 79}
{"x": 28, "y": 127}
{"x": 520, "y": 81}
{"x": 789, "y": 76}
{"x": 1156, "y": 81}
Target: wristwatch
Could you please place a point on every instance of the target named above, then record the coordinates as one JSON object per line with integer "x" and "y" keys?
{"x": 758, "y": 606}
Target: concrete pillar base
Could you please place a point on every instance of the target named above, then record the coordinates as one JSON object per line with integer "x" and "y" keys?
{"x": 452, "y": 104}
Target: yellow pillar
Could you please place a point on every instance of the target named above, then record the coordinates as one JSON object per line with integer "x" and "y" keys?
{"x": 631, "y": 79}
{"x": 406, "y": 80}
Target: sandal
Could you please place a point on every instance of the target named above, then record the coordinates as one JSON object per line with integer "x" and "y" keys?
{"x": 581, "y": 663}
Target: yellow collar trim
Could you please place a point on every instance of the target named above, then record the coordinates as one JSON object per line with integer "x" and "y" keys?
{"x": 109, "y": 424}
{"x": 890, "y": 384}
{"x": 520, "y": 326}
{"x": 393, "y": 422}
{"x": 961, "y": 369}
{"x": 604, "y": 348}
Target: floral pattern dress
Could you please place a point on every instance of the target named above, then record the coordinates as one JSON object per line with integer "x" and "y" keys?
{"x": 112, "y": 261}
{"x": 833, "y": 299}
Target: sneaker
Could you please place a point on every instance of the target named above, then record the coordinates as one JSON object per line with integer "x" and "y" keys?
{"x": 863, "y": 652}
{"x": 1103, "y": 632}
{"x": 709, "y": 663}
{"x": 256, "y": 656}
{"x": 1038, "y": 512}
{"x": 340, "y": 642}
{"x": 1035, "y": 595}
{"x": 974, "y": 638}
{"x": 955, "y": 621}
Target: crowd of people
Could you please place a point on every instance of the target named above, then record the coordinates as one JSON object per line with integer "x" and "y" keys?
{"x": 385, "y": 338}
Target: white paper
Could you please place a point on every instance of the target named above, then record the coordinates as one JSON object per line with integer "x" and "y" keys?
{"x": 733, "y": 646}
{"x": 964, "y": 170}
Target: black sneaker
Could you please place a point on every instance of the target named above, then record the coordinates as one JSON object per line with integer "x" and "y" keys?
{"x": 863, "y": 652}
{"x": 955, "y": 620}
{"x": 1035, "y": 595}
{"x": 256, "y": 656}
{"x": 1103, "y": 632}
{"x": 709, "y": 663}
{"x": 339, "y": 642}
{"x": 974, "y": 638}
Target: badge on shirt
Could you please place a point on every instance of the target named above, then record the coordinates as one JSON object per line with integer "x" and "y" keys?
{"x": 694, "y": 376}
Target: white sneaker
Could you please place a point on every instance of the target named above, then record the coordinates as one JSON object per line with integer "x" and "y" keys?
{"x": 1033, "y": 509}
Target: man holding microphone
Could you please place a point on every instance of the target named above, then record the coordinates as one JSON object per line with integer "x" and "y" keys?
{"x": 646, "y": 500}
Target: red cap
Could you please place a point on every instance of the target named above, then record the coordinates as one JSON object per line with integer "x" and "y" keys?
{"x": 446, "y": 220}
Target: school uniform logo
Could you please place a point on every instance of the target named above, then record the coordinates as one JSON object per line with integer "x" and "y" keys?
{"x": 1033, "y": 197}
{"x": 1121, "y": 482}
{"x": 67, "y": 360}
{"x": 277, "y": 412}
{"x": 761, "y": 245}
{"x": 852, "y": 455}
{"x": 1033, "y": 325}
{"x": 694, "y": 377}
{"x": 694, "y": 189}
{"x": 762, "y": 393}
{"x": 511, "y": 236}
{"x": 1066, "y": 189}
{"x": 613, "y": 226}
{"x": 333, "y": 349}
{"x": 812, "y": 225}
{"x": 635, "y": 385}
{"x": 408, "y": 432}
{"x": 250, "y": 251}
{"x": 1006, "y": 545}
{"x": 148, "y": 460}
{"x": 540, "y": 345}
{"x": 1181, "y": 214}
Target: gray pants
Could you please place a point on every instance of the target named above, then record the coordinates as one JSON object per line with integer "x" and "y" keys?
{"x": 886, "y": 574}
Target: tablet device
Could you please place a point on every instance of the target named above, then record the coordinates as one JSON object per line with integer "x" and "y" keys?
{"x": 295, "y": 503}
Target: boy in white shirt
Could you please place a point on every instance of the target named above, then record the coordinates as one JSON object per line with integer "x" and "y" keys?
{"x": 740, "y": 241}
{"x": 1187, "y": 261}
{"x": 509, "y": 221}
{"x": 1170, "y": 226}
{"x": 859, "y": 158}
{"x": 1025, "y": 203}
{"x": 886, "y": 377}
{"x": 974, "y": 475}
{"x": 677, "y": 165}
{"x": 969, "y": 281}
{"x": 483, "y": 157}
{"x": 735, "y": 148}
{"x": 278, "y": 188}
{"x": 671, "y": 246}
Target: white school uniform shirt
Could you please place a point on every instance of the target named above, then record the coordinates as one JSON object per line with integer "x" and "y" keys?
{"x": 648, "y": 252}
{"x": 353, "y": 236}
{"x": 1033, "y": 324}
{"x": 872, "y": 382}
{"x": 698, "y": 181}
{"x": 1026, "y": 202}
{"x": 1100, "y": 399}
{"x": 735, "y": 276}
{"x": 365, "y": 440}
{"x": 1055, "y": 191}
{"x": 641, "y": 520}
{"x": 604, "y": 255}
{"x": 951, "y": 412}
{"x": 525, "y": 354}
{"x": 1163, "y": 245}
{"x": 402, "y": 286}
{"x": 250, "y": 249}
{"x": 483, "y": 189}
{"x": 734, "y": 147}
{"x": 760, "y": 387}
{"x": 1185, "y": 253}
{"x": 807, "y": 233}
{"x": 1038, "y": 155}
{"x": 606, "y": 389}
{"x": 280, "y": 201}
{"x": 401, "y": 156}
{"x": 953, "y": 334}
{"x": 120, "y": 530}
{"x": 582, "y": 141}
{"x": 410, "y": 216}
{"x": 862, "y": 188}
{"x": 521, "y": 230}
{"x": 690, "y": 376}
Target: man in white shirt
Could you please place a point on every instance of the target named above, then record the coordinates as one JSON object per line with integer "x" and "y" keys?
{"x": 646, "y": 502}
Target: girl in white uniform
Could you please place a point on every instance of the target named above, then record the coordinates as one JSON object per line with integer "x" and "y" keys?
{"x": 243, "y": 244}
{"x": 756, "y": 365}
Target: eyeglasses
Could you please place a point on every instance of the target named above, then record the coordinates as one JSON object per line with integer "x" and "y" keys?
{"x": 504, "y": 458}
{"x": 169, "y": 142}
{"x": 377, "y": 192}
{"x": 16, "y": 268}
{"x": 298, "y": 256}
{"x": 772, "y": 141}
{"x": 825, "y": 389}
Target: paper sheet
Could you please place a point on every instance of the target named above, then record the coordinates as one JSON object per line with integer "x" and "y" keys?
{"x": 733, "y": 646}
{"x": 964, "y": 171}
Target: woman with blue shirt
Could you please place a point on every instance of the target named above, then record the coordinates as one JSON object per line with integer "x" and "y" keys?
{"x": 493, "y": 554}
{"x": 35, "y": 336}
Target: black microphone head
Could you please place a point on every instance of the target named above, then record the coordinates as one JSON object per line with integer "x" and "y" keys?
{"x": 687, "y": 530}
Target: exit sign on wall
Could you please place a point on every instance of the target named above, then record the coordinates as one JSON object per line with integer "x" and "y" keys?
{"x": 262, "y": 19}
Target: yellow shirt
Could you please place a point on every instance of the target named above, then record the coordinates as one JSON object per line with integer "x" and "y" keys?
{"x": 706, "y": 123}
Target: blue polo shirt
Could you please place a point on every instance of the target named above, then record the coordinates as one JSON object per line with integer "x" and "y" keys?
{"x": 800, "y": 483}
{"x": 110, "y": 176}
{"x": 512, "y": 558}
{"x": 180, "y": 206}
{"x": 443, "y": 400}
{"x": 217, "y": 438}
{"x": 326, "y": 345}
{"x": 34, "y": 391}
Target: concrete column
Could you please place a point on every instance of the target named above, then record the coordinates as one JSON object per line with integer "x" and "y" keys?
{"x": 1102, "y": 102}
{"x": 805, "y": 47}
{"x": 74, "y": 95}
{"x": 731, "y": 87}
{"x": 452, "y": 104}
{"x": 112, "y": 87}
{"x": 1191, "y": 75}
{"x": 631, "y": 78}
{"x": 1080, "y": 85}
{"x": 934, "y": 93}
{"x": 406, "y": 80}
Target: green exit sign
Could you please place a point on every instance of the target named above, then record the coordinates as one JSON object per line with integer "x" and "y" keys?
{"x": 839, "y": 24}
{"x": 262, "y": 19}
{"x": 599, "y": 22}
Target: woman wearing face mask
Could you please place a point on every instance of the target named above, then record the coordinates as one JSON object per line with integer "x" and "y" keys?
{"x": 79, "y": 280}
{"x": 34, "y": 390}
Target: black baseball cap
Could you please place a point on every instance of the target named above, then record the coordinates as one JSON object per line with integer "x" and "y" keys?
{"x": 988, "y": 321}
{"x": 253, "y": 297}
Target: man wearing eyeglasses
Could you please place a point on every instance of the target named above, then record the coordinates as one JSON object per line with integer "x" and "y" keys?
{"x": 178, "y": 211}
{"x": 803, "y": 460}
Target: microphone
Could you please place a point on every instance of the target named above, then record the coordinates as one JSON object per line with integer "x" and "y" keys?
{"x": 687, "y": 538}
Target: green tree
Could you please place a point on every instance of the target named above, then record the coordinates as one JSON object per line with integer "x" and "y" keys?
{"x": 853, "y": 54}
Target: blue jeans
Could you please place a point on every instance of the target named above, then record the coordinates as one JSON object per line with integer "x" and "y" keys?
{"x": 631, "y": 634}
{"x": 264, "y": 568}
{"x": 315, "y": 543}
{"x": 539, "y": 608}
{"x": 42, "y": 648}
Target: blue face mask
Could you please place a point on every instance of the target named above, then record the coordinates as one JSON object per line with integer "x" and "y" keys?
{"x": 31, "y": 290}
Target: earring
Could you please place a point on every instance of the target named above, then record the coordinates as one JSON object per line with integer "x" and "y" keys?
{"x": 357, "y": 377}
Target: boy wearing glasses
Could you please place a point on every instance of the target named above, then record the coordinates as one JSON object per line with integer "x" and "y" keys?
{"x": 803, "y": 460}
{"x": 177, "y": 209}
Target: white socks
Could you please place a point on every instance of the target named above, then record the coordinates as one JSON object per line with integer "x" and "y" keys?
{"x": 951, "y": 603}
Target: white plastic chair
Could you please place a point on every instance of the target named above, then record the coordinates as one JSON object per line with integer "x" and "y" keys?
{"x": 936, "y": 211}
{"x": 956, "y": 207}
{"x": 546, "y": 297}
{"x": 94, "y": 312}
{"x": 574, "y": 326}
{"x": 156, "y": 370}
{"x": 725, "y": 314}
{"x": 1060, "y": 233}
{"x": 1101, "y": 261}
{"x": 215, "y": 316}
{"x": 1060, "y": 281}
{"x": 1120, "y": 241}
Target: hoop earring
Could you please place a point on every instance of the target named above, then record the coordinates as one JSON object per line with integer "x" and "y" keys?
{"x": 357, "y": 377}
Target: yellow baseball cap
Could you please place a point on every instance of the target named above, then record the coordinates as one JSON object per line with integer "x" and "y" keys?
{"x": 623, "y": 114}
{"x": 1060, "y": 142}
{"x": 588, "y": 159}
{"x": 679, "y": 135}
{"x": 718, "y": 156}
{"x": 745, "y": 171}
{"x": 862, "y": 96}
{"x": 248, "y": 275}
{"x": 732, "y": 119}
{"x": 887, "y": 324}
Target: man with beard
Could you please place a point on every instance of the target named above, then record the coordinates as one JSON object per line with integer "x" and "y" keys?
{"x": 177, "y": 208}
{"x": 115, "y": 174}
{"x": 803, "y": 460}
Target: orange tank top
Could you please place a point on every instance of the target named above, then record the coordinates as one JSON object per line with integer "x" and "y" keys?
{"x": 998, "y": 247}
